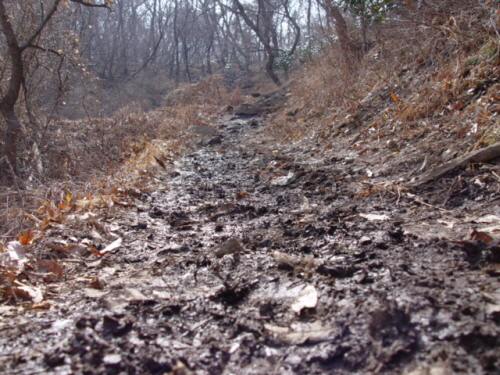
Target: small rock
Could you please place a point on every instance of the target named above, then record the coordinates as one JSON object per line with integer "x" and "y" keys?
{"x": 112, "y": 359}
{"x": 283, "y": 180}
{"x": 231, "y": 246}
{"x": 203, "y": 130}
{"x": 293, "y": 359}
{"x": 365, "y": 240}
{"x": 247, "y": 110}
{"x": 392, "y": 144}
{"x": 215, "y": 141}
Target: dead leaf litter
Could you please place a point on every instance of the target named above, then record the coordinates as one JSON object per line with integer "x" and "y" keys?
{"x": 258, "y": 258}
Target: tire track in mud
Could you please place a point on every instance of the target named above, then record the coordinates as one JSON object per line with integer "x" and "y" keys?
{"x": 256, "y": 259}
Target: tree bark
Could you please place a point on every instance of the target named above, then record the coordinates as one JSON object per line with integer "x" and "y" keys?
{"x": 483, "y": 155}
{"x": 349, "y": 50}
{"x": 296, "y": 41}
{"x": 8, "y": 102}
{"x": 13, "y": 129}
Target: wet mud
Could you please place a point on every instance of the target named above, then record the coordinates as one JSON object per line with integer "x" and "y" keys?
{"x": 260, "y": 258}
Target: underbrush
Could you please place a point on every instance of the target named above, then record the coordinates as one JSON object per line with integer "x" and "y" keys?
{"x": 432, "y": 73}
{"x": 89, "y": 161}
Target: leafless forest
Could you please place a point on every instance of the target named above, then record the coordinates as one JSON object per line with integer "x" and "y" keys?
{"x": 89, "y": 61}
{"x": 86, "y": 60}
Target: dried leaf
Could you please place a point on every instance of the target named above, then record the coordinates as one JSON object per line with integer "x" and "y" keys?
{"x": 231, "y": 246}
{"x": 294, "y": 262}
{"x": 68, "y": 197}
{"x": 306, "y": 299}
{"x": 15, "y": 258}
{"x": 121, "y": 203}
{"x": 43, "y": 305}
{"x": 241, "y": 195}
{"x": 25, "y": 237}
{"x": 112, "y": 246}
{"x": 27, "y": 292}
{"x": 299, "y": 333}
{"x": 482, "y": 236}
{"x": 363, "y": 151}
{"x": 394, "y": 97}
{"x": 123, "y": 297}
{"x": 488, "y": 219}
{"x": 50, "y": 212}
{"x": 97, "y": 283}
{"x": 283, "y": 180}
{"x": 93, "y": 250}
{"x": 50, "y": 267}
{"x": 161, "y": 163}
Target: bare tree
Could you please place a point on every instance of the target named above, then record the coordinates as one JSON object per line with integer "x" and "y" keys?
{"x": 261, "y": 19}
{"x": 17, "y": 47}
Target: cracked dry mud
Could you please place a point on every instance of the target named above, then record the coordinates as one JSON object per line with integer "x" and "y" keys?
{"x": 258, "y": 258}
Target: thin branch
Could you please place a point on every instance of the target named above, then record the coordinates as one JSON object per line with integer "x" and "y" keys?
{"x": 40, "y": 28}
{"x": 46, "y": 50}
{"x": 295, "y": 25}
{"x": 17, "y": 74}
{"x": 91, "y": 5}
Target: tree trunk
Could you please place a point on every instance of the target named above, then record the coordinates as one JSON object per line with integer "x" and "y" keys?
{"x": 349, "y": 50}
{"x": 364, "y": 37}
{"x": 270, "y": 67}
{"x": 8, "y": 101}
{"x": 263, "y": 37}
{"x": 12, "y": 132}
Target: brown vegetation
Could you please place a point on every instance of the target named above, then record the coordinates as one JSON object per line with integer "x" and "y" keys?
{"x": 433, "y": 73}
{"x": 95, "y": 156}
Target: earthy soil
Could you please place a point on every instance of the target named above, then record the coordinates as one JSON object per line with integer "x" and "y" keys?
{"x": 253, "y": 257}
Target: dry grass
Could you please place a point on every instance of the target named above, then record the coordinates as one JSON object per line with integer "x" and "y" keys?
{"x": 209, "y": 91}
{"x": 436, "y": 69}
{"x": 90, "y": 161}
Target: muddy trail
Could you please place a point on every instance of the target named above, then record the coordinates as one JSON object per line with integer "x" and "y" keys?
{"x": 258, "y": 258}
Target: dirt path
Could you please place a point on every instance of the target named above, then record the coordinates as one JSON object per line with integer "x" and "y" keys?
{"x": 266, "y": 259}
